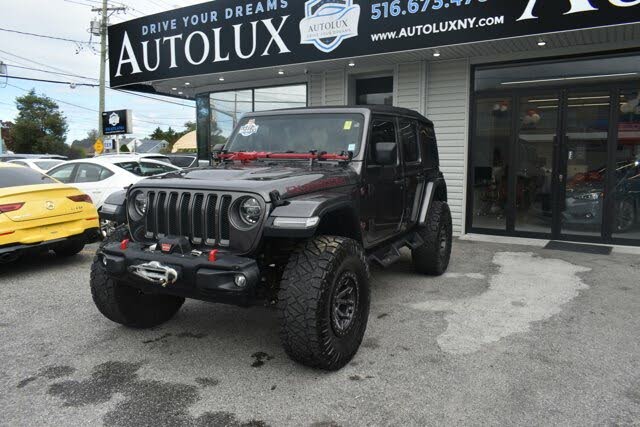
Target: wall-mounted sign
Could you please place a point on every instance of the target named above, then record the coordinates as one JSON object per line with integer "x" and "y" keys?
{"x": 231, "y": 35}
{"x": 117, "y": 122}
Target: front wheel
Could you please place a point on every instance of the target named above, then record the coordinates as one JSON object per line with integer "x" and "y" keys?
{"x": 124, "y": 304}
{"x": 324, "y": 302}
{"x": 433, "y": 257}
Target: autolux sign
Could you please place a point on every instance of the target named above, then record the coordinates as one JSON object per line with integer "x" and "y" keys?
{"x": 231, "y": 35}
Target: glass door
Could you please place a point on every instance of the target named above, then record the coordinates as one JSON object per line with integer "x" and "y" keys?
{"x": 536, "y": 141}
{"x": 583, "y": 163}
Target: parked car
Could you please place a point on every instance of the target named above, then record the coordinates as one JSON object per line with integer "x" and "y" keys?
{"x": 140, "y": 156}
{"x": 38, "y": 213}
{"x": 101, "y": 176}
{"x": 40, "y": 165}
{"x": 585, "y": 197}
{"x": 9, "y": 157}
{"x": 301, "y": 202}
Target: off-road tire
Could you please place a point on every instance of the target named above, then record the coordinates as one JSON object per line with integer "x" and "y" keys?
{"x": 125, "y": 304}
{"x": 316, "y": 274}
{"x": 69, "y": 249}
{"x": 433, "y": 257}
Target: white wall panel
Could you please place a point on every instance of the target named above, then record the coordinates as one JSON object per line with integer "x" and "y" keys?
{"x": 447, "y": 94}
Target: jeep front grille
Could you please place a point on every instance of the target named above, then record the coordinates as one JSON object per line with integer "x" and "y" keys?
{"x": 202, "y": 217}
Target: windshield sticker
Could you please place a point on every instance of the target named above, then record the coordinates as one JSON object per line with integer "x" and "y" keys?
{"x": 348, "y": 124}
{"x": 250, "y": 128}
{"x": 352, "y": 147}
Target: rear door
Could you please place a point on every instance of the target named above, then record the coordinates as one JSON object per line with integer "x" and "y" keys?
{"x": 95, "y": 180}
{"x": 383, "y": 192}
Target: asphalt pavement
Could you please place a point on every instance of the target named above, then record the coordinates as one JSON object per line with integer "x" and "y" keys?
{"x": 512, "y": 335}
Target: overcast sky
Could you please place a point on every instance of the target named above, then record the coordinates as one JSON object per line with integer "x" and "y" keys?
{"x": 70, "y": 19}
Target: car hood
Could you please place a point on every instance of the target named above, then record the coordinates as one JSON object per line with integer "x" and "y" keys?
{"x": 290, "y": 179}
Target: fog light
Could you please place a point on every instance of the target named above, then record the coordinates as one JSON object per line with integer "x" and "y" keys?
{"x": 240, "y": 280}
{"x": 104, "y": 260}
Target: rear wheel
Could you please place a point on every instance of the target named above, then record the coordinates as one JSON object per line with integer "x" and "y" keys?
{"x": 124, "y": 304}
{"x": 433, "y": 257}
{"x": 324, "y": 302}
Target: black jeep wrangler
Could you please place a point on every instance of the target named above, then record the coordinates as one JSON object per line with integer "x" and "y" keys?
{"x": 292, "y": 212}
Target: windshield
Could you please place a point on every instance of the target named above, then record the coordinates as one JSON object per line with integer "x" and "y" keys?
{"x": 300, "y": 133}
{"x": 19, "y": 176}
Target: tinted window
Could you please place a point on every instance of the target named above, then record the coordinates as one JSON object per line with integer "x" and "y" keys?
{"x": 63, "y": 173}
{"x": 88, "y": 172}
{"x": 151, "y": 169}
{"x": 145, "y": 168}
{"x": 429, "y": 147}
{"x": 183, "y": 162}
{"x": 381, "y": 131}
{"x": 16, "y": 177}
{"x": 408, "y": 133}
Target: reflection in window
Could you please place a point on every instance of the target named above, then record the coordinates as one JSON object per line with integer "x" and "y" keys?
{"x": 490, "y": 154}
{"x": 227, "y": 108}
{"x": 627, "y": 189}
{"x": 278, "y": 98}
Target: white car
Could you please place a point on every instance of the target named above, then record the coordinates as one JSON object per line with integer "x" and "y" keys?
{"x": 40, "y": 165}
{"x": 101, "y": 176}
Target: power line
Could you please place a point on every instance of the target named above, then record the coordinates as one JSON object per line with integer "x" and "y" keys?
{"x": 50, "y": 81}
{"x": 46, "y": 71}
{"x": 90, "y": 78}
{"x": 45, "y": 36}
{"x": 86, "y": 108}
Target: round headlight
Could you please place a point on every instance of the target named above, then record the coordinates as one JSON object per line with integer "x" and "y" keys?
{"x": 250, "y": 211}
{"x": 140, "y": 204}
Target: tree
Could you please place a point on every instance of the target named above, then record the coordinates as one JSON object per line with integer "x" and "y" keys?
{"x": 171, "y": 136}
{"x": 124, "y": 149}
{"x": 40, "y": 127}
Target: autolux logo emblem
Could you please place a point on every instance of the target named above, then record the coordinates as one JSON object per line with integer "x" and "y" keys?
{"x": 328, "y": 22}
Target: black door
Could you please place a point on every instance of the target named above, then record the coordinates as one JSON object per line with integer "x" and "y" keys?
{"x": 559, "y": 163}
{"x": 383, "y": 192}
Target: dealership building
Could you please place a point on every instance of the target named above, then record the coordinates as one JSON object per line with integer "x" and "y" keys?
{"x": 536, "y": 103}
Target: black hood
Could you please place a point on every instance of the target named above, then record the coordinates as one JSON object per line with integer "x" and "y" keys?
{"x": 288, "y": 178}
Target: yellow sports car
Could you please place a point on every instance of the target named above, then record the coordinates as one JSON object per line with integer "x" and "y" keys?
{"x": 37, "y": 213}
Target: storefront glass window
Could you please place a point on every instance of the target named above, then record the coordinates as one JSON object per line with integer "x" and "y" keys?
{"x": 374, "y": 91}
{"x": 627, "y": 180}
{"x": 559, "y": 73}
{"x": 227, "y": 108}
{"x": 278, "y": 98}
{"x": 538, "y": 128}
{"x": 585, "y": 154}
{"x": 490, "y": 162}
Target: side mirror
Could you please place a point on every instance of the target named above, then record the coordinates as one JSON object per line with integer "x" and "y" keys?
{"x": 386, "y": 153}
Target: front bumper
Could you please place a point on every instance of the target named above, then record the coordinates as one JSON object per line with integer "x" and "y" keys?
{"x": 197, "y": 277}
{"x": 90, "y": 235}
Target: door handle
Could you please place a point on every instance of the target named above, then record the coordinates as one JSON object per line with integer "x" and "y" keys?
{"x": 561, "y": 178}
{"x": 400, "y": 181}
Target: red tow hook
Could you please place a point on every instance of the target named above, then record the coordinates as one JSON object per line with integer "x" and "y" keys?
{"x": 124, "y": 244}
{"x": 213, "y": 255}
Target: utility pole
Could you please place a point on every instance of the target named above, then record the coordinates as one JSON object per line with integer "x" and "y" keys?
{"x": 103, "y": 55}
{"x": 1, "y": 141}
